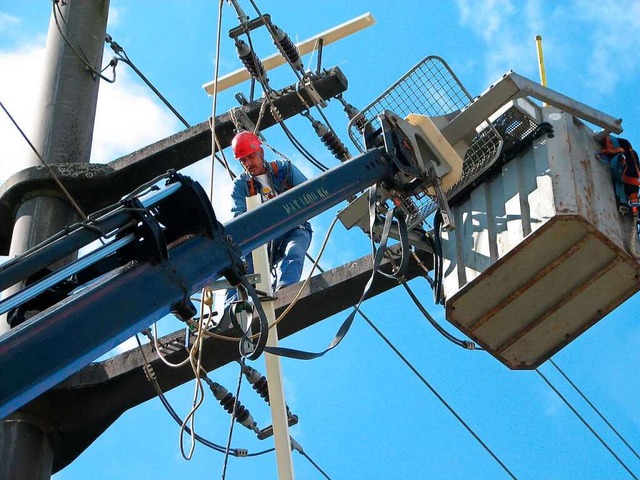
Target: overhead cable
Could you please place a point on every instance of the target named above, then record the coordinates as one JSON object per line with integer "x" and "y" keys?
{"x": 233, "y": 421}
{"x": 274, "y": 111}
{"x": 431, "y": 388}
{"x": 77, "y": 49}
{"x": 298, "y": 448}
{"x": 121, "y": 55}
{"x": 585, "y": 423}
{"x": 237, "y": 452}
{"x": 46, "y": 165}
{"x": 604, "y": 419}
{"x": 469, "y": 345}
{"x": 284, "y": 47}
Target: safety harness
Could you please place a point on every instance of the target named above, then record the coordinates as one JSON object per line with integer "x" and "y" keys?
{"x": 625, "y": 172}
{"x": 251, "y": 183}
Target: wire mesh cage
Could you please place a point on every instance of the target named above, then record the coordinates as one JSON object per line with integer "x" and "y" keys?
{"x": 430, "y": 88}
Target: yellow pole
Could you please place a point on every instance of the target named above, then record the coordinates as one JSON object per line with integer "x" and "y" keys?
{"x": 543, "y": 72}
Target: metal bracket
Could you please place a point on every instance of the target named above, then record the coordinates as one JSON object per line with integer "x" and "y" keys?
{"x": 315, "y": 97}
{"x": 241, "y": 119}
{"x": 268, "y": 431}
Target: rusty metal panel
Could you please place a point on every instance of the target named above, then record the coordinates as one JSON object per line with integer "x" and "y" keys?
{"x": 540, "y": 253}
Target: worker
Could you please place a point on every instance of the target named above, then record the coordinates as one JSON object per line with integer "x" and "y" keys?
{"x": 270, "y": 179}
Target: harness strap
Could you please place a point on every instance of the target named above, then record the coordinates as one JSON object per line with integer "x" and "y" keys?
{"x": 251, "y": 184}
{"x": 378, "y": 255}
{"x": 625, "y": 169}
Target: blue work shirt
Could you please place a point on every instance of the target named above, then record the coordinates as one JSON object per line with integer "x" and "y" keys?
{"x": 288, "y": 176}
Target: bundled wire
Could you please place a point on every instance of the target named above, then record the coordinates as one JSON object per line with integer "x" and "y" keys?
{"x": 438, "y": 292}
{"x": 469, "y": 345}
{"x": 195, "y": 359}
{"x": 237, "y": 452}
{"x": 77, "y": 49}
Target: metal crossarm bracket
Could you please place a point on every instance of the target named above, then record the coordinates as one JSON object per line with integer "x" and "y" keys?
{"x": 512, "y": 86}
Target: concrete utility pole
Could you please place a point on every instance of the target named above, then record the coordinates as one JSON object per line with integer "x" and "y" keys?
{"x": 63, "y": 134}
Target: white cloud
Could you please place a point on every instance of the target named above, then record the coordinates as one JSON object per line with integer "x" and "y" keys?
{"x": 115, "y": 16}
{"x": 19, "y": 87}
{"x": 128, "y": 116}
{"x": 582, "y": 38}
{"x": 500, "y": 25}
{"x": 612, "y": 28}
{"x": 8, "y": 22}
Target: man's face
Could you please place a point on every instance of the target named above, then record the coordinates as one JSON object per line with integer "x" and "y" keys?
{"x": 253, "y": 163}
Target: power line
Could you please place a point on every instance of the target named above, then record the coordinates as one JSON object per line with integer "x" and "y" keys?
{"x": 585, "y": 423}
{"x": 293, "y": 68}
{"x": 298, "y": 448}
{"x": 121, "y": 55}
{"x": 469, "y": 345}
{"x": 277, "y": 117}
{"x": 78, "y": 50}
{"x": 433, "y": 390}
{"x": 594, "y": 407}
{"x": 233, "y": 421}
{"x": 214, "y": 140}
{"x": 46, "y": 165}
{"x": 238, "y": 452}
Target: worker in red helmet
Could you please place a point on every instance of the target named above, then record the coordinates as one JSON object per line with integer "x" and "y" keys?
{"x": 269, "y": 179}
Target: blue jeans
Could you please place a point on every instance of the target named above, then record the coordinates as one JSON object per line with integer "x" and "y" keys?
{"x": 288, "y": 255}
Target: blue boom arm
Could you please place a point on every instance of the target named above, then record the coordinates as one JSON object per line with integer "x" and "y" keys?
{"x": 47, "y": 348}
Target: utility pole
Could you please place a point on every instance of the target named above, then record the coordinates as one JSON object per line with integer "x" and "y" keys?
{"x": 63, "y": 134}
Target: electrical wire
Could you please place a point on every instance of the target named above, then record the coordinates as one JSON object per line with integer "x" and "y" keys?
{"x": 237, "y": 452}
{"x": 293, "y": 302}
{"x": 78, "y": 52}
{"x": 233, "y": 421}
{"x": 585, "y": 423}
{"x": 298, "y": 448}
{"x": 160, "y": 355}
{"x": 467, "y": 344}
{"x": 313, "y": 268}
{"x": 121, "y": 55}
{"x": 575, "y": 387}
{"x": 46, "y": 165}
{"x": 214, "y": 142}
{"x": 276, "y": 115}
{"x": 293, "y": 68}
{"x": 195, "y": 359}
{"x": 432, "y": 389}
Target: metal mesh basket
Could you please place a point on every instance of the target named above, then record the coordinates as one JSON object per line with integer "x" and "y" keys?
{"x": 430, "y": 88}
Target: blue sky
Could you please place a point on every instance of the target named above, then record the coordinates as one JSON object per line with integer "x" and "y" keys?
{"x": 363, "y": 414}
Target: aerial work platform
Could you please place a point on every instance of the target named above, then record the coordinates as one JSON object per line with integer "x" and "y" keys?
{"x": 538, "y": 252}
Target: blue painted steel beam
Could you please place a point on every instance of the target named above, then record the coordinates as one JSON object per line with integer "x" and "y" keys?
{"x": 47, "y": 348}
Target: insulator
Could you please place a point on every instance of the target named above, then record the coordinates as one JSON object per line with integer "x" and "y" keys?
{"x": 258, "y": 382}
{"x": 360, "y": 121}
{"x": 149, "y": 372}
{"x": 275, "y": 113}
{"x": 331, "y": 141}
{"x": 251, "y": 61}
{"x": 242, "y": 452}
{"x": 352, "y": 112}
{"x": 545, "y": 128}
{"x": 287, "y": 48}
{"x": 227, "y": 400}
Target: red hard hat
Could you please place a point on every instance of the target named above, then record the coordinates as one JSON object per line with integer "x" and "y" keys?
{"x": 245, "y": 143}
